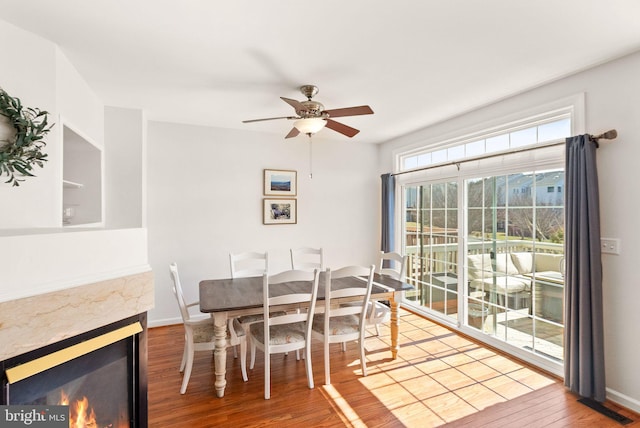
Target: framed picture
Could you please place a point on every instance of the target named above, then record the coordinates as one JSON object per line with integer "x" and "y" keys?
{"x": 278, "y": 182}
{"x": 279, "y": 211}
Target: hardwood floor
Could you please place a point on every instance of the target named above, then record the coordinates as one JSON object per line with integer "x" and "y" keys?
{"x": 440, "y": 378}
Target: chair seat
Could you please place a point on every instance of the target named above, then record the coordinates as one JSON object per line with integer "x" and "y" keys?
{"x": 203, "y": 333}
{"x": 339, "y": 325}
{"x": 250, "y": 319}
{"x": 280, "y": 334}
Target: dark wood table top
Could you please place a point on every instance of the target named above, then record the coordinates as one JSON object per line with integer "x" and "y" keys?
{"x": 221, "y": 295}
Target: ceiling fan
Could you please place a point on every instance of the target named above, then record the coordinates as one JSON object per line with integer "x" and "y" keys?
{"x": 312, "y": 117}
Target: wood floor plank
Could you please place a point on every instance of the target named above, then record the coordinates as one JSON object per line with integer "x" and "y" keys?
{"x": 439, "y": 379}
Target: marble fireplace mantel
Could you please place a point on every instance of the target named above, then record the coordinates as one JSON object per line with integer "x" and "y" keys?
{"x": 57, "y": 285}
{"x": 33, "y": 322}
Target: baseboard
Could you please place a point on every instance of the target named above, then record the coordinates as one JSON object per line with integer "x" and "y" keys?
{"x": 623, "y": 400}
{"x": 173, "y": 321}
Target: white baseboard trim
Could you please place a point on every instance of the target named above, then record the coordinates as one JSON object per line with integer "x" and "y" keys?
{"x": 173, "y": 321}
{"x": 623, "y": 400}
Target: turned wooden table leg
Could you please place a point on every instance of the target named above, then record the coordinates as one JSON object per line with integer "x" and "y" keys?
{"x": 220, "y": 353}
{"x": 395, "y": 327}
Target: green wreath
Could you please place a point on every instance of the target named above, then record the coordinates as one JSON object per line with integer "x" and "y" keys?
{"x": 20, "y": 152}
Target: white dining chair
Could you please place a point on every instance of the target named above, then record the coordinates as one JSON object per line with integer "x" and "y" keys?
{"x": 307, "y": 258}
{"x": 244, "y": 265}
{"x": 394, "y": 265}
{"x": 282, "y": 333}
{"x": 199, "y": 334}
{"x": 248, "y": 264}
{"x": 345, "y": 323}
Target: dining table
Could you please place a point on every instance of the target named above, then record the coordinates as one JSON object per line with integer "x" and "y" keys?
{"x": 234, "y": 297}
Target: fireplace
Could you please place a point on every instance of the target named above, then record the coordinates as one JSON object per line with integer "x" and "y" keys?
{"x": 101, "y": 375}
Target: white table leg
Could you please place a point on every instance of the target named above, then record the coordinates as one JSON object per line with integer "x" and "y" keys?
{"x": 220, "y": 353}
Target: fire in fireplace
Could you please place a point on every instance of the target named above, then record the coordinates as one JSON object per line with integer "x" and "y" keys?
{"x": 100, "y": 377}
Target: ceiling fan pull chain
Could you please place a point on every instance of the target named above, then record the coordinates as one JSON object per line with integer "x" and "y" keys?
{"x": 310, "y": 156}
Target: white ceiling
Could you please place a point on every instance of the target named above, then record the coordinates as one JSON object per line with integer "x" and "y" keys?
{"x": 415, "y": 62}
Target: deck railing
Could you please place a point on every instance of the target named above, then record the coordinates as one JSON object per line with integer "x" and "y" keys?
{"x": 443, "y": 257}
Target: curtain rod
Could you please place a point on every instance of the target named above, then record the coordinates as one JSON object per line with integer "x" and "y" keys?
{"x": 609, "y": 135}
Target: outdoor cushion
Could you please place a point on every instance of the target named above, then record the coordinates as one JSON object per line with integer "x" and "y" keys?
{"x": 479, "y": 266}
{"x": 548, "y": 262}
{"x": 503, "y": 284}
{"x": 505, "y": 265}
{"x": 523, "y": 262}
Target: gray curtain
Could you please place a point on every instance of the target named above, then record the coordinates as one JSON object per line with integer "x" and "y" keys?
{"x": 388, "y": 211}
{"x": 584, "y": 335}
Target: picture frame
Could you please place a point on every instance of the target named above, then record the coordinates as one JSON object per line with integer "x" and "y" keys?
{"x": 279, "y": 211}
{"x": 280, "y": 182}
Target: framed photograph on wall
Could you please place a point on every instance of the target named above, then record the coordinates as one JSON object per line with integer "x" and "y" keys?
{"x": 279, "y": 211}
{"x": 279, "y": 182}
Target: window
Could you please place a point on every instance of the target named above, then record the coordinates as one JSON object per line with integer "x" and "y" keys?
{"x": 549, "y": 129}
{"x": 485, "y": 239}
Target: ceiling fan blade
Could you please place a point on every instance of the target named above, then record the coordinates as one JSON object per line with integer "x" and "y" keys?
{"x": 349, "y": 111}
{"x": 294, "y": 103}
{"x": 293, "y": 133}
{"x": 270, "y": 118}
{"x": 341, "y": 128}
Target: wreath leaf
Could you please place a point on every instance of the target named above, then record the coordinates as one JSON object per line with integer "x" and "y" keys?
{"x": 22, "y": 151}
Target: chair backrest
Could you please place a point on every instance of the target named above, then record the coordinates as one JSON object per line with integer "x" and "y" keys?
{"x": 307, "y": 258}
{"x": 332, "y": 291}
{"x": 176, "y": 287}
{"x": 250, "y": 263}
{"x": 285, "y": 295}
{"x": 397, "y": 265}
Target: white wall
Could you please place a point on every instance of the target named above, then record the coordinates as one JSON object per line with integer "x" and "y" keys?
{"x": 50, "y": 260}
{"x": 125, "y": 142}
{"x": 205, "y": 200}
{"x": 28, "y": 72}
{"x": 612, "y": 92}
{"x": 38, "y": 73}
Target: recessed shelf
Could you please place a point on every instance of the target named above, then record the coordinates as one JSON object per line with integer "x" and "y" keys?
{"x": 82, "y": 179}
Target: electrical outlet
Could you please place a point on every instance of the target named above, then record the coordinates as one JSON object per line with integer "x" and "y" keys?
{"x": 610, "y": 245}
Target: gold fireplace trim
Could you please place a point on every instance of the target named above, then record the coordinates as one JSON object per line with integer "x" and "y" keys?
{"x": 23, "y": 371}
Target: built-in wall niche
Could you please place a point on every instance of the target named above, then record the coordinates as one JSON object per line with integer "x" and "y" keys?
{"x": 82, "y": 195}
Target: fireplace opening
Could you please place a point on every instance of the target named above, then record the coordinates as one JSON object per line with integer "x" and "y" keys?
{"x": 102, "y": 387}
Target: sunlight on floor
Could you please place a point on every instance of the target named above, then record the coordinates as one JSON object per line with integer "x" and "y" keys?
{"x": 438, "y": 376}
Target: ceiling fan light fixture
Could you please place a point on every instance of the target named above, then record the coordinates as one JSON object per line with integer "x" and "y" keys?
{"x": 310, "y": 125}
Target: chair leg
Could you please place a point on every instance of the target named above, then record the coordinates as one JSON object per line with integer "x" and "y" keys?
{"x": 307, "y": 362}
{"x": 184, "y": 356}
{"x": 243, "y": 360}
{"x": 235, "y": 351}
{"x": 267, "y": 374}
{"x": 253, "y": 355}
{"x": 363, "y": 361}
{"x": 377, "y": 329}
{"x": 188, "y": 367}
{"x": 327, "y": 363}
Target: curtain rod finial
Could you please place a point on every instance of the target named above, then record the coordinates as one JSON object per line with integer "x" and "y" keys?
{"x": 609, "y": 135}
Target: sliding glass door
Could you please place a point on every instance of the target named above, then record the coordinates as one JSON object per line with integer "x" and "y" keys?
{"x": 502, "y": 251}
{"x": 431, "y": 238}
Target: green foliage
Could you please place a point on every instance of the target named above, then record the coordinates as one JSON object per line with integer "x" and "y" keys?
{"x": 21, "y": 152}
{"x": 557, "y": 237}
